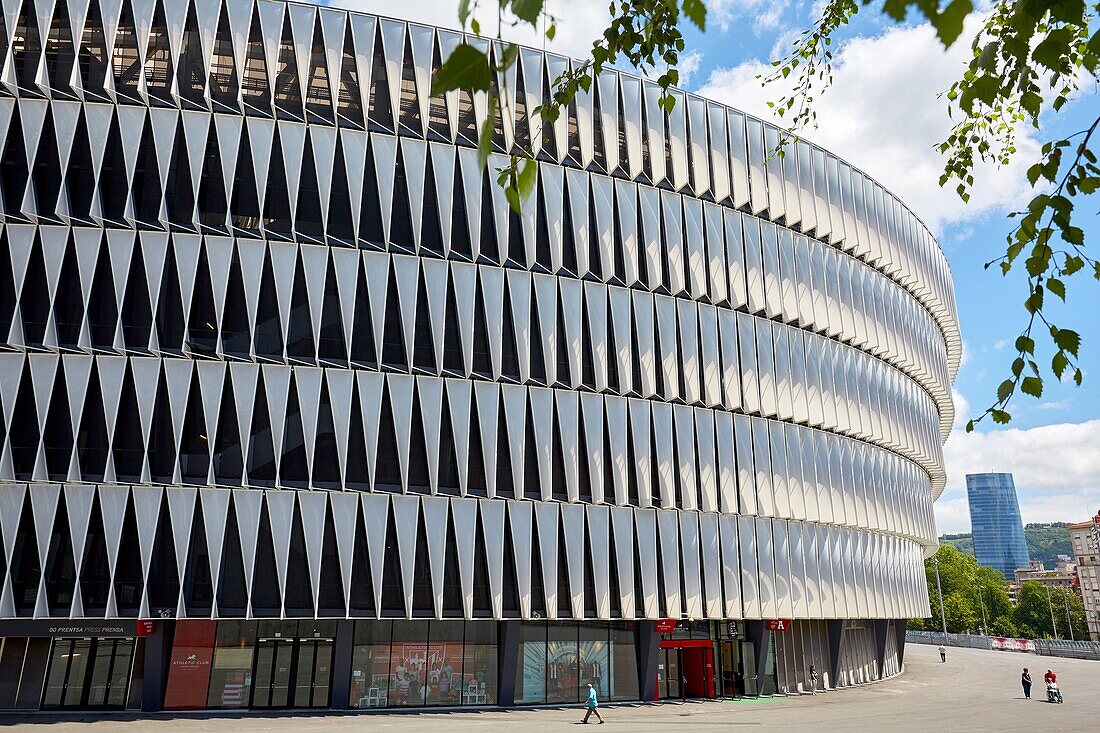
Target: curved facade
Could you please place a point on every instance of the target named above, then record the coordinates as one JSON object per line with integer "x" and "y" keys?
{"x": 275, "y": 348}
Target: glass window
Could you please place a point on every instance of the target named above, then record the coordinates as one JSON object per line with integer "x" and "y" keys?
{"x": 562, "y": 656}
{"x": 624, "y": 662}
{"x": 594, "y": 662}
{"x": 479, "y": 664}
{"x": 371, "y": 681}
{"x": 531, "y": 671}
{"x": 409, "y": 662}
{"x": 443, "y": 664}
{"x": 231, "y": 672}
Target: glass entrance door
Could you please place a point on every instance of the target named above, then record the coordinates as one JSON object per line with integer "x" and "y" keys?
{"x": 292, "y": 673}
{"x": 674, "y": 674}
{"x": 88, "y": 674}
{"x": 314, "y": 669}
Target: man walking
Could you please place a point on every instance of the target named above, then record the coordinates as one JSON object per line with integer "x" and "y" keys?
{"x": 1025, "y": 680}
{"x": 943, "y": 653}
{"x": 813, "y": 680}
{"x": 592, "y": 705}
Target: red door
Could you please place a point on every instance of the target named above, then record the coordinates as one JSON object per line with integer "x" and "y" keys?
{"x": 699, "y": 672}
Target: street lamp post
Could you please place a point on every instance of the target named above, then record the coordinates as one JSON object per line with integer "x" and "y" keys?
{"x": 939, "y": 592}
{"x": 1069, "y": 621}
{"x": 1050, "y": 603}
{"x": 981, "y": 600}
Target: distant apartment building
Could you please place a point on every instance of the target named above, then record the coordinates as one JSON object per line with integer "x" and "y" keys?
{"x": 1064, "y": 575}
{"x": 995, "y": 523}
{"x": 1085, "y": 537}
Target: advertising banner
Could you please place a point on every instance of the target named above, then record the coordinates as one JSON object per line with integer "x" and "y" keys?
{"x": 189, "y": 669}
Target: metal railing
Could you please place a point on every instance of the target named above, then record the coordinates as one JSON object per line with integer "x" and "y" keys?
{"x": 1042, "y": 647}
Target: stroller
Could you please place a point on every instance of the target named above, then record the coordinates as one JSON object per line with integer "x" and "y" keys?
{"x": 1053, "y": 693}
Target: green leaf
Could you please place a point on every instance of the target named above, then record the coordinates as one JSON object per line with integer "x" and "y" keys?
{"x": 1059, "y": 363}
{"x": 525, "y": 182}
{"x": 949, "y": 23}
{"x": 1032, "y": 386}
{"x": 1001, "y": 417}
{"x": 1052, "y": 49}
{"x": 1005, "y": 390}
{"x": 1025, "y": 344}
{"x": 465, "y": 68}
{"x": 527, "y": 10}
{"x": 696, "y": 12}
{"x": 485, "y": 138}
{"x": 1057, "y": 287}
{"x": 1067, "y": 340}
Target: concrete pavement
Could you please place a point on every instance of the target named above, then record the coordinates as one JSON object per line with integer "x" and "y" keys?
{"x": 974, "y": 691}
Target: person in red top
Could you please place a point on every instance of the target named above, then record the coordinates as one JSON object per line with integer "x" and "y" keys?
{"x": 1050, "y": 677}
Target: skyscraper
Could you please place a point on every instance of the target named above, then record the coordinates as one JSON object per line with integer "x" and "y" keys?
{"x": 995, "y": 522}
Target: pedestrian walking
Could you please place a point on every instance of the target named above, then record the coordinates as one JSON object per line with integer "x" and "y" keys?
{"x": 592, "y": 705}
{"x": 943, "y": 653}
{"x": 1025, "y": 680}
{"x": 813, "y": 680}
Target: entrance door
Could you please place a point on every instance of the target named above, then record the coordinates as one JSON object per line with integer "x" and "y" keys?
{"x": 88, "y": 674}
{"x": 292, "y": 673}
{"x": 697, "y": 667}
{"x": 673, "y": 678}
{"x": 313, "y": 671}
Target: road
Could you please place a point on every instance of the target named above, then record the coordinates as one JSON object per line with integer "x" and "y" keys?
{"x": 974, "y": 691}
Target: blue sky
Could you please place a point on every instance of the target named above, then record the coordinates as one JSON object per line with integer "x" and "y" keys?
{"x": 883, "y": 115}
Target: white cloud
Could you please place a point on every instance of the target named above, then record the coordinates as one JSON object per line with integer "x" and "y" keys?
{"x": 1059, "y": 405}
{"x": 962, "y": 408}
{"x": 1056, "y": 469}
{"x": 1000, "y": 344}
{"x": 884, "y": 115}
{"x": 765, "y": 15}
{"x": 689, "y": 64}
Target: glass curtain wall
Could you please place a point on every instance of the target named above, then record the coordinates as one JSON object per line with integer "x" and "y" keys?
{"x": 558, "y": 660}
{"x": 418, "y": 663}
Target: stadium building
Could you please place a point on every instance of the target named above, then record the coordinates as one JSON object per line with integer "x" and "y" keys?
{"x": 295, "y": 412}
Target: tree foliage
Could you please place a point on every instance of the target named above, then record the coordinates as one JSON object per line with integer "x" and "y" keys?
{"x": 969, "y": 589}
{"x": 1044, "y": 614}
{"x": 1028, "y": 59}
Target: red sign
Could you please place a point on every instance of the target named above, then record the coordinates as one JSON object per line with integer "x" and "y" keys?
{"x": 146, "y": 627}
{"x": 189, "y": 670}
{"x": 666, "y": 625}
{"x": 777, "y": 624}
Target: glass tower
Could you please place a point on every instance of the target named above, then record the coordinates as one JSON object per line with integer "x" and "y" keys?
{"x": 995, "y": 522}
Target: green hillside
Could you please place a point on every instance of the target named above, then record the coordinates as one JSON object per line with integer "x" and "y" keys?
{"x": 1045, "y": 542}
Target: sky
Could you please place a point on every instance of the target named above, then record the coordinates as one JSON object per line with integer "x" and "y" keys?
{"x": 884, "y": 114}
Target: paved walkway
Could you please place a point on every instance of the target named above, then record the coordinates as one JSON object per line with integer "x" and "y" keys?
{"x": 974, "y": 691}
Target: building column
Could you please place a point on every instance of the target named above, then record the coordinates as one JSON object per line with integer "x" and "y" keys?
{"x": 835, "y": 629}
{"x": 508, "y": 659}
{"x": 900, "y": 627}
{"x": 158, "y": 653}
{"x": 882, "y": 630}
{"x": 341, "y": 664}
{"x": 648, "y": 644}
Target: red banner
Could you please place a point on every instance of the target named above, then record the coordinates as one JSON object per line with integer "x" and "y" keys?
{"x": 189, "y": 671}
{"x": 666, "y": 625}
{"x": 777, "y": 624}
{"x": 146, "y": 627}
